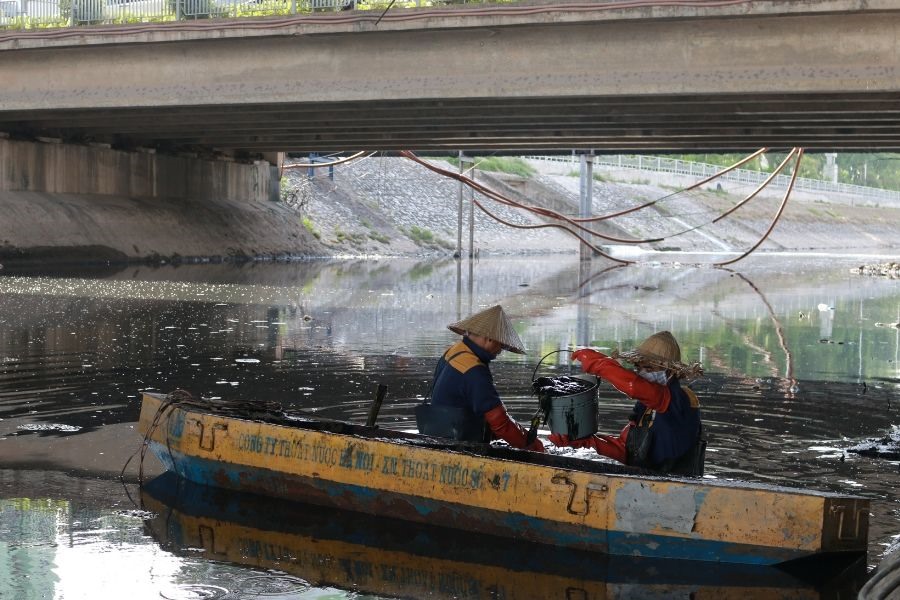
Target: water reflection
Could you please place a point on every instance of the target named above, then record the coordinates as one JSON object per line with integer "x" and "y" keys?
{"x": 324, "y": 547}
{"x": 788, "y": 386}
{"x": 188, "y": 542}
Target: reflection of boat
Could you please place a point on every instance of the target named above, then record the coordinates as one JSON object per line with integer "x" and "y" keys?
{"x": 328, "y": 547}
{"x": 543, "y": 498}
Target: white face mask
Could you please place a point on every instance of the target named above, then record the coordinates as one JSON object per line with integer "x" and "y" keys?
{"x": 654, "y": 376}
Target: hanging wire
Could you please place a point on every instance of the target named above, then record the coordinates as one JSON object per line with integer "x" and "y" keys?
{"x": 576, "y": 223}
{"x": 749, "y": 197}
{"x": 787, "y": 195}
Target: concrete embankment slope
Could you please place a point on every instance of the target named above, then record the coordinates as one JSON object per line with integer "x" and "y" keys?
{"x": 403, "y": 195}
{"x": 38, "y": 228}
{"x": 66, "y": 203}
{"x": 76, "y": 204}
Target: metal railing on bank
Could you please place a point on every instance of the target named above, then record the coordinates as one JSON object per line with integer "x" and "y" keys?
{"x": 36, "y": 14}
{"x": 675, "y": 166}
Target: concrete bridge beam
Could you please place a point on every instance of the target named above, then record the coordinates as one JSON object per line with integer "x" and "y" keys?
{"x": 820, "y": 74}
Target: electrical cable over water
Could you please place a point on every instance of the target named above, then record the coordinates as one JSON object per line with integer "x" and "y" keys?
{"x": 576, "y": 223}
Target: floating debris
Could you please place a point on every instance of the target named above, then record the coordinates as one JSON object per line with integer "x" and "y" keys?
{"x": 885, "y": 447}
{"x": 888, "y": 269}
{"x": 560, "y": 386}
{"x": 49, "y": 427}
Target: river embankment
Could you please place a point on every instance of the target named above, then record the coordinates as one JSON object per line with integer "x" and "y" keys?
{"x": 384, "y": 206}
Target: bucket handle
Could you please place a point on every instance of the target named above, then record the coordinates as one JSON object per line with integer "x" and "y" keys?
{"x": 538, "y": 365}
{"x": 536, "y": 418}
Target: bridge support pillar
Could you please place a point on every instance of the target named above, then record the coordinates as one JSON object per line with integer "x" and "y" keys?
{"x": 276, "y": 160}
{"x": 586, "y": 196}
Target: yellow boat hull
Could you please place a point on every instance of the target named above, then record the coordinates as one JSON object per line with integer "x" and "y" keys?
{"x": 548, "y": 499}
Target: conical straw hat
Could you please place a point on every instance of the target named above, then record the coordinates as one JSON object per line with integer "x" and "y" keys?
{"x": 661, "y": 350}
{"x": 494, "y": 324}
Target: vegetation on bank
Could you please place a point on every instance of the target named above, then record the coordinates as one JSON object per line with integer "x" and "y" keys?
{"x": 879, "y": 169}
{"x": 499, "y": 164}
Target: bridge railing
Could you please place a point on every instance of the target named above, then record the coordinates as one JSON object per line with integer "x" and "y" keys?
{"x": 748, "y": 177}
{"x": 28, "y": 14}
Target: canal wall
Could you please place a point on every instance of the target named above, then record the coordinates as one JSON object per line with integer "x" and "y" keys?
{"x": 82, "y": 204}
{"x": 77, "y": 203}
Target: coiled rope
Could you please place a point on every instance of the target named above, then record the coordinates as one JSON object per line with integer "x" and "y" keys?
{"x": 262, "y": 410}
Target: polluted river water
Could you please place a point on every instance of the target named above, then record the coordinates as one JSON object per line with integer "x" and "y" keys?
{"x": 800, "y": 358}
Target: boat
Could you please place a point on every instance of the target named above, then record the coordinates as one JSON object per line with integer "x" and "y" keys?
{"x": 544, "y": 498}
{"x": 299, "y": 546}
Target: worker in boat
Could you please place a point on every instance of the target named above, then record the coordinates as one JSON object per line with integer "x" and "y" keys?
{"x": 664, "y": 426}
{"x": 463, "y": 395}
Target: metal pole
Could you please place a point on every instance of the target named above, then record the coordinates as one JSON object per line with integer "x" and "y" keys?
{"x": 459, "y": 222}
{"x": 587, "y": 186}
{"x": 472, "y": 215}
{"x": 471, "y": 284}
{"x": 376, "y": 406}
{"x": 459, "y": 291}
{"x": 582, "y": 319}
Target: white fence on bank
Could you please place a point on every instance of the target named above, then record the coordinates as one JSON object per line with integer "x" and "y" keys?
{"x": 29, "y": 14}
{"x": 674, "y": 166}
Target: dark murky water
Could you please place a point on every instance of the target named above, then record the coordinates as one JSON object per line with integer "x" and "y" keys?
{"x": 800, "y": 357}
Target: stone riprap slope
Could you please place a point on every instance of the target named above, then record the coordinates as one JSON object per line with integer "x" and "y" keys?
{"x": 392, "y": 206}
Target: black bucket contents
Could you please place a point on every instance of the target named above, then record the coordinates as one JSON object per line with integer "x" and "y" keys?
{"x": 570, "y": 404}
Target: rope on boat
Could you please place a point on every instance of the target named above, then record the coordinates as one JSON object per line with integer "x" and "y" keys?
{"x": 260, "y": 410}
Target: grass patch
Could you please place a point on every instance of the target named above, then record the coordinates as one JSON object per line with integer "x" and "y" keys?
{"x": 379, "y": 237}
{"x": 355, "y": 239}
{"x": 424, "y": 237}
{"x": 499, "y": 164}
{"x": 307, "y": 222}
{"x": 420, "y": 236}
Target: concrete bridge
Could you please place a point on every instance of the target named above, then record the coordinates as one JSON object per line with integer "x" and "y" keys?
{"x": 614, "y": 76}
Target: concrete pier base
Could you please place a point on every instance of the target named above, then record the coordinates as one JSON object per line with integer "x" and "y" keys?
{"x": 67, "y": 203}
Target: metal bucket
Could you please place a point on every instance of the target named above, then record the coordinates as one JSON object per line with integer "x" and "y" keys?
{"x": 576, "y": 415}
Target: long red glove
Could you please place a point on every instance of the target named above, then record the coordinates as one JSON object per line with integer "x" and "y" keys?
{"x": 506, "y": 429}
{"x": 561, "y": 440}
{"x": 653, "y": 395}
{"x": 607, "y": 445}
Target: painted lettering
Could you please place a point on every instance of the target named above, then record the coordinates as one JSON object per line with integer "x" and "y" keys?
{"x": 389, "y": 465}
{"x": 324, "y": 455}
{"x": 284, "y": 448}
{"x": 365, "y": 461}
{"x": 347, "y": 457}
{"x": 250, "y": 443}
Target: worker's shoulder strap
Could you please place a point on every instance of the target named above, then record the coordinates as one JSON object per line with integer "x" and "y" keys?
{"x": 461, "y": 358}
{"x": 692, "y": 397}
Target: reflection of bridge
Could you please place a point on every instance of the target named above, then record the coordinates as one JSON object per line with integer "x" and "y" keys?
{"x": 608, "y": 76}
{"x": 198, "y": 109}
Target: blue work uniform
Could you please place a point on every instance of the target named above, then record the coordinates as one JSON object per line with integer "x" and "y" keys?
{"x": 676, "y": 430}
{"x": 463, "y": 379}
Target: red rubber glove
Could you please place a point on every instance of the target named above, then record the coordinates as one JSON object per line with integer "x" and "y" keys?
{"x": 590, "y": 360}
{"x": 506, "y": 429}
{"x": 562, "y": 440}
{"x": 628, "y": 382}
{"x": 604, "y": 445}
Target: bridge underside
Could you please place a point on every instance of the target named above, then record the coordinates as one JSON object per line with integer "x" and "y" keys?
{"x": 708, "y": 76}
{"x": 823, "y": 122}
